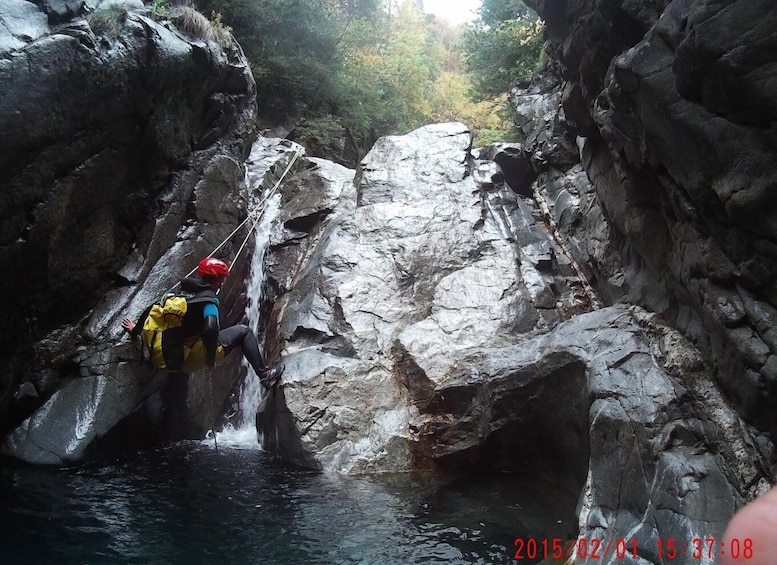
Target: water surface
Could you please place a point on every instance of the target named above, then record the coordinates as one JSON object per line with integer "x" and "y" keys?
{"x": 190, "y": 503}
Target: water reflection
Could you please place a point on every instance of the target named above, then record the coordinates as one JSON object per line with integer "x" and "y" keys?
{"x": 188, "y": 503}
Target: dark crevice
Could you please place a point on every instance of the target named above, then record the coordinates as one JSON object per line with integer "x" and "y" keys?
{"x": 517, "y": 171}
{"x": 307, "y": 223}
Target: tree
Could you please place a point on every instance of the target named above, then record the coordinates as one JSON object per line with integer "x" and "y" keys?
{"x": 292, "y": 48}
{"x": 489, "y": 120}
{"x": 349, "y": 71}
{"x": 504, "y": 44}
{"x": 386, "y": 73}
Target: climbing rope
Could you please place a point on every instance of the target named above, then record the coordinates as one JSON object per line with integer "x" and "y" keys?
{"x": 211, "y": 420}
{"x": 256, "y": 215}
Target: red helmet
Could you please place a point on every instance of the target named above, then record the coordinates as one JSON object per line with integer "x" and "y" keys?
{"x": 213, "y": 267}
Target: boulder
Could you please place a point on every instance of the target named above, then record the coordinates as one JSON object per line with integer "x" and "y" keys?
{"x": 418, "y": 266}
{"x": 448, "y": 323}
{"x": 614, "y": 405}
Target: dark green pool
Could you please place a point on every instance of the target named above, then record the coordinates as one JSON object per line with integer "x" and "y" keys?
{"x": 188, "y": 503}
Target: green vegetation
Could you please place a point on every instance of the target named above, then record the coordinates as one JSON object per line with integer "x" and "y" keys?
{"x": 191, "y": 22}
{"x": 108, "y": 22}
{"x": 160, "y": 9}
{"x": 504, "y": 44}
{"x": 350, "y": 71}
{"x": 194, "y": 24}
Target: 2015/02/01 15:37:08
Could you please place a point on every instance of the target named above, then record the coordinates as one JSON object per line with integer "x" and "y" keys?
{"x": 621, "y": 548}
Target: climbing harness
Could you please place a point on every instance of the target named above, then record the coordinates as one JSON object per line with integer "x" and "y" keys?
{"x": 256, "y": 216}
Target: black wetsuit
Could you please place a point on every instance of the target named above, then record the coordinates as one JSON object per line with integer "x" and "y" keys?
{"x": 202, "y": 319}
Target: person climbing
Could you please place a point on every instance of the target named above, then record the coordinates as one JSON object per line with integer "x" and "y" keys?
{"x": 199, "y": 341}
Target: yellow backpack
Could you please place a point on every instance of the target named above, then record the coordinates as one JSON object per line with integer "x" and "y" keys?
{"x": 164, "y": 316}
{"x": 161, "y": 330}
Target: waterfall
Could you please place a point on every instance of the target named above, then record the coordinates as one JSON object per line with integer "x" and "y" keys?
{"x": 242, "y": 432}
{"x": 267, "y": 161}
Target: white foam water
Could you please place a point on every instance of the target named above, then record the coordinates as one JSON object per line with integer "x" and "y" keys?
{"x": 242, "y": 433}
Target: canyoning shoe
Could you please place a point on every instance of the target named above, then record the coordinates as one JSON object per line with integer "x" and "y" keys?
{"x": 270, "y": 378}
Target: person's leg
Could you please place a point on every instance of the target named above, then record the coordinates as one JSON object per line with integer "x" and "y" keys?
{"x": 242, "y": 336}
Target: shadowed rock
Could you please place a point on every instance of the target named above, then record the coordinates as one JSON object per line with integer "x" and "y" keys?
{"x": 122, "y": 163}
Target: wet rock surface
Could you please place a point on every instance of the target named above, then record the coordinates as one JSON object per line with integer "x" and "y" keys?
{"x": 613, "y": 404}
{"x": 592, "y": 305}
{"x": 668, "y": 102}
{"x": 467, "y": 338}
{"x": 416, "y": 266}
{"x": 121, "y": 163}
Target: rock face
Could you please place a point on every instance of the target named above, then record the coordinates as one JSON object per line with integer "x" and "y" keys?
{"x": 563, "y": 307}
{"x": 415, "y": 266}
{"x": 613, "y": 404}
{"x": 674, "y": 106}
{"x": 122, "y": 149}
{"x": 431, "y": 319}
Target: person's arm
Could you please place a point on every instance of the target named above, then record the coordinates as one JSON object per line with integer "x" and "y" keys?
{"x": 210, "y": 333}
{"x": 134, "y": 328}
